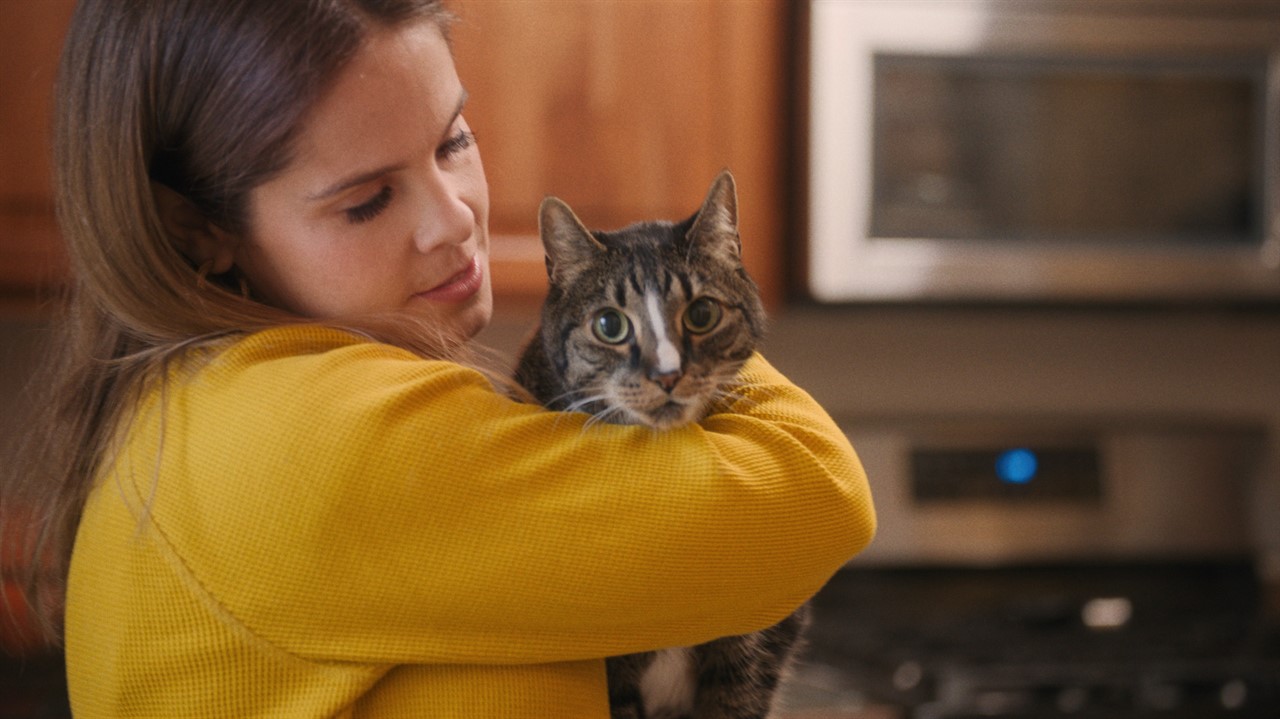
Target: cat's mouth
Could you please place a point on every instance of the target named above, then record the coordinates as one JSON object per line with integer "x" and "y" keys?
{"x": 669, "y": 414}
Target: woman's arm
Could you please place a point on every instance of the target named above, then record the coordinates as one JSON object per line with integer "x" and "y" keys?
{"x": 346, "y": 501}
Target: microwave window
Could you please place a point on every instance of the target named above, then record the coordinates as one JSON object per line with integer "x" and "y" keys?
{"x": 1022, "y": 150}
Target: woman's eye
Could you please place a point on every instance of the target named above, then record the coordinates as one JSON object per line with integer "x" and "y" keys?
{"x": 371, "y": 209}
{"x": 611, "y": 327}
{"x": 457, "y": 144}
{"x": 702, "y": 315}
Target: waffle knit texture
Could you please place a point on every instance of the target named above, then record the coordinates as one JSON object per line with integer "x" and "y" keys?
{"x": 308, "y": 524}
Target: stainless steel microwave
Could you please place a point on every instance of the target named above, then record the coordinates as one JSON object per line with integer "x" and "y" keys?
{"x": 1061, "y": 150}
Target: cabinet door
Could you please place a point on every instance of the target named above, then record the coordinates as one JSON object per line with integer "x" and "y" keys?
{"x": 31, "y": 33}
{"x": 625, "y": 110}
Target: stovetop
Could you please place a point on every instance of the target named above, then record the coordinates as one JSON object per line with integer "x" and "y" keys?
{"x": 1102, "y": 641}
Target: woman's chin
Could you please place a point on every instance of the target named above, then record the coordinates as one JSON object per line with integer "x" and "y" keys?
{"x": 464, "y": 320}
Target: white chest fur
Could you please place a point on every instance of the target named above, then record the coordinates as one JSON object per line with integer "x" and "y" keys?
{"x": 668, "y": 684}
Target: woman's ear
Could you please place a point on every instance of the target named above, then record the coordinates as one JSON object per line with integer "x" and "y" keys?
{"x": 203, "y": 242}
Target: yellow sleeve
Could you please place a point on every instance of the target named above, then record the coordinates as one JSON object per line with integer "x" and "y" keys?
{"x": 346, "y": 501}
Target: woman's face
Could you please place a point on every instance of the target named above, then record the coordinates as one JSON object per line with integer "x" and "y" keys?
{"x": 384, "y": 206}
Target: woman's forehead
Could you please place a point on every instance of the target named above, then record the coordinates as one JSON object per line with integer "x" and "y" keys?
{"x": 398, "y": 96}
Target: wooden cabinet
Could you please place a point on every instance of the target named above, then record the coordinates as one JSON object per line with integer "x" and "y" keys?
{"x": 31, "y": 33}
{"x": 624, "y": 109}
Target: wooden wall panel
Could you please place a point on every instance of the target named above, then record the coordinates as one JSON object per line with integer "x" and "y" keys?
{"x": 30, "y": 40}
{"x": 626, "y": 110}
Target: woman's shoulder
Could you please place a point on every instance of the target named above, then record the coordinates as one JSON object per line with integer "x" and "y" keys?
{"x": 298, "y": 341}
{"x": 314, "y": 368}
{"x": 310, "y": 347}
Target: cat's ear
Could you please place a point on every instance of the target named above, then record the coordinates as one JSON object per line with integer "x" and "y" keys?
{"x": 715, "y": 227}
{"x": 569, "y": 245}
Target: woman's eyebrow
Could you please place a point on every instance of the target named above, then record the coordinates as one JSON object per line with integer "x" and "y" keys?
{"x": 356, "y": 180}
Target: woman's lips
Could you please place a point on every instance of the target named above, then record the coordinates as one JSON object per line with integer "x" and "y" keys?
{"x": 458, "y": 288}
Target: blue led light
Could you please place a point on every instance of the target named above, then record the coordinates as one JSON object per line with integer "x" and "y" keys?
{"x": 1017, "y": 466}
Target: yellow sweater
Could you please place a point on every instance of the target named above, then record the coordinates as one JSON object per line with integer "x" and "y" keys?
{"x": 312, "y": 525}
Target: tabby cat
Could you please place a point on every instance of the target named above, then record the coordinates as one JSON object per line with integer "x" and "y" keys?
{"x": 649, "y": 325}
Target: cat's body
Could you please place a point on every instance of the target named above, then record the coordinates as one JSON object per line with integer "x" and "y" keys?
{"x": 649, "y": 325}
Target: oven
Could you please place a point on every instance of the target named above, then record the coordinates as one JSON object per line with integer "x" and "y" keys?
{"x": 1037, "y": 568}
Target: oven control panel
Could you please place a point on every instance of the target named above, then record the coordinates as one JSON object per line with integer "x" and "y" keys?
{"x": 1006, "y": 474}
{"x": 989, "y": 491}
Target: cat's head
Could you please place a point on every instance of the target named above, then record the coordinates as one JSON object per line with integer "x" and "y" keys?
{"x": 649, "y": 323}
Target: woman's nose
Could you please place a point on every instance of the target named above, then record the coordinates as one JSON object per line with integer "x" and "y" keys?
{"x": 446, "y": 217}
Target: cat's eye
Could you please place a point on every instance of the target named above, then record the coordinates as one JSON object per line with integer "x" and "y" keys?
{"x": 702, "y": 315}
{"x": 611, "y": 326}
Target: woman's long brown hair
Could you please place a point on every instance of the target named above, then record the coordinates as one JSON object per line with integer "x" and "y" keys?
{"x": 205, "y": 97}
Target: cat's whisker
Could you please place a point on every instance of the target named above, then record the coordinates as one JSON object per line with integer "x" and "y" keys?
{"x": 733, "y": 393}
{"x": 578, "y": 405}
{"x": 603, "y": 416}
{"x": 600, "y": 397}
{"x": 572, "y": 402}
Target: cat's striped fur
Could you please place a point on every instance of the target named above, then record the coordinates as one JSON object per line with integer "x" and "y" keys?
{"x": 649, "y": 325}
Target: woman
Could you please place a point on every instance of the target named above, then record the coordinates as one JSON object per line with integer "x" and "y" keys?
{"x": 289, "y": 494}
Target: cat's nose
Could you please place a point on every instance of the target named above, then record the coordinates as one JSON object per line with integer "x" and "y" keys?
{"x": 666, "y": 380}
